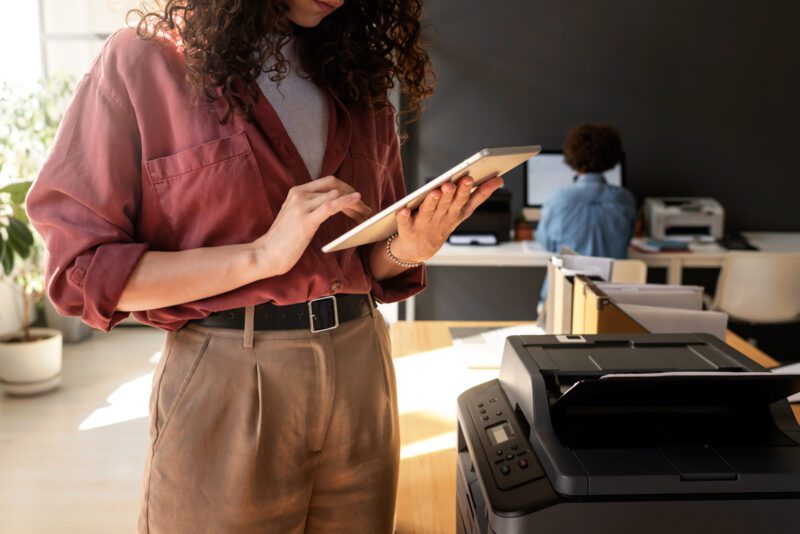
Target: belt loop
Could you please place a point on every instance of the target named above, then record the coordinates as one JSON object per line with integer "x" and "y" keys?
{"x": 249, "y": 313}
{"x": 372, "y": 306}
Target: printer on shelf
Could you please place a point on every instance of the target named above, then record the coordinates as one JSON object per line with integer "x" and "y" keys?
{"x": 628, "y": 433}
{"x": 684, "y": 217}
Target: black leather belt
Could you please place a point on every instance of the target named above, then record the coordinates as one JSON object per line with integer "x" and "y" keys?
{"x": 317, "y": 315}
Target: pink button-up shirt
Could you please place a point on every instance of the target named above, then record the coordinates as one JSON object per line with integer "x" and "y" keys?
{"x": 140, "y": 163}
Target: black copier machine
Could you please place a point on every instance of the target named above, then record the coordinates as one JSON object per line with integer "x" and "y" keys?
{"x": 644, "y": 433}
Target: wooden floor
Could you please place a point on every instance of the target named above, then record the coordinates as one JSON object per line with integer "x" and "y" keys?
{"x": 71, "y": 461}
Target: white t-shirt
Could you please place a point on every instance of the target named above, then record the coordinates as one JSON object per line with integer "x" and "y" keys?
{"x": 302, "y": 107}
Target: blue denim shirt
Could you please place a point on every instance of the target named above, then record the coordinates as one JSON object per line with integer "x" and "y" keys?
{"x": 591, "y": 217}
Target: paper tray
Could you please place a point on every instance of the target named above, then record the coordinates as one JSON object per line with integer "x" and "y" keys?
{"x": 655, "y": 391}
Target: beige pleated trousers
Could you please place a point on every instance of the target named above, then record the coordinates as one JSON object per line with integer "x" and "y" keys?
{"x": 273, "y": 431}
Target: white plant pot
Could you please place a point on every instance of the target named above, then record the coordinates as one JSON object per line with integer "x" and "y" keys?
{"x": 27, "y": 368}
{"x": 11, "y": 307}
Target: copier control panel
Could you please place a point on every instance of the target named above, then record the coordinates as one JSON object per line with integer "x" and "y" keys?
{"x": 504, "y": 443}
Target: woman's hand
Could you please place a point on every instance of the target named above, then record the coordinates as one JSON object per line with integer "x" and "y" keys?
{"x": 306, "y": 207}
{"x": 424, "y": 233}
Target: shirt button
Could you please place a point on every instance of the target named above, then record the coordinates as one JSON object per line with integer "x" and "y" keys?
{"x": 336, "y": 285}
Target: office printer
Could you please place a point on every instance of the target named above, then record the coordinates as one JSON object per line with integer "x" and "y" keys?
{"x": 613, "y": 433}
{"x": 683, "y": 217}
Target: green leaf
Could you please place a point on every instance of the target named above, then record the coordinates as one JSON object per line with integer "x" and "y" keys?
{"x": 20, "y": 214}
{"x": 20, "y": 231}
{"x": 15, "y": 245}
{"x": 6, "y": 257}
{"x": 18, "y": 190}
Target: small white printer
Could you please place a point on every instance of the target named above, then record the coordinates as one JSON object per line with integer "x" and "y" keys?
{"x": 684, "y": 218}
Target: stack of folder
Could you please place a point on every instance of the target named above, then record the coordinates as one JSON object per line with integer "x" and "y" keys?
{"x": 582, "y": 300}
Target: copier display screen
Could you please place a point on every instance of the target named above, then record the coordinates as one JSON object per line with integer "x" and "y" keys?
{"x": 500, "y": 433}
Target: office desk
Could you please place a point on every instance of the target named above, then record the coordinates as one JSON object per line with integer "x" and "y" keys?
{"x": 430, "y": 376}
{"x": 710, "y": 256}
{"x": 519, "y": 254}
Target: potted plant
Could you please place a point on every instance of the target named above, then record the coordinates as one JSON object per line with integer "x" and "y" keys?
{"x": 29, "y": 119}
{"x": 30, "y": 359}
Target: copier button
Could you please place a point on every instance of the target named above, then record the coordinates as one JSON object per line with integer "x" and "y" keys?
{"x": 499, "y": 461}
{"x": 493, "y": 399}
{"x": 499, "y": 452}
{"x": 480, "y": 405}
{"x": 485, "y": 417}
{"x": 514, "y": 447}
{"x": 510, "y": 457}
{"x": 523, "y": 452}
{"x": 523, "y": 463}
{"x": 483, "y": 410}
{"x": 505, "y": 469}
{"x": 498, "y": 412}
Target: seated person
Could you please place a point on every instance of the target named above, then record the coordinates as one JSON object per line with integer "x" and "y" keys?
{"x": 590, "y": 216}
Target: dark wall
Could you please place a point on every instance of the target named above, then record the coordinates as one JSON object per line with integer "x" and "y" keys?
{"x": 705, "y": 92}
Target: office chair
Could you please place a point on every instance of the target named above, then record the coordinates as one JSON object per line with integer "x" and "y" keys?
{"x": 759, "y": 287}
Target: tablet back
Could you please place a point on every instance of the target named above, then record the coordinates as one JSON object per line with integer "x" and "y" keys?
{"x": 486, "y": 164}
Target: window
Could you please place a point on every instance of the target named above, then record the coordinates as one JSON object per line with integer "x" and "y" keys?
{"x": 72, "y": 33}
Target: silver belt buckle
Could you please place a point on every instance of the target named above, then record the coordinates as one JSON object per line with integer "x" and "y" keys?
{"x": 311, "y": 314}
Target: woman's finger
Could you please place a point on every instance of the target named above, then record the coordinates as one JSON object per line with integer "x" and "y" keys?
{"x": 359, "y": 212}
{"x": 405, "y": 223}
{"x": 483, "y": 192}
{"x": 428, "y": 206}
{"x": 361, "y": 207}
{"x": 324, "y": 211}
{"x": 462, "y": 195}
{"x": 316, "y": 200}
{"x": 448, "y": 191}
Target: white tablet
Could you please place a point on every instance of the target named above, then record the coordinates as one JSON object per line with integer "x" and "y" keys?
{"x": 486, "y": 164}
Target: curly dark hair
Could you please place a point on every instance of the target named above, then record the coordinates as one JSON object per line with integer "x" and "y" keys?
{"x": 592, "y": 147}
{"x": 357, "y": 51}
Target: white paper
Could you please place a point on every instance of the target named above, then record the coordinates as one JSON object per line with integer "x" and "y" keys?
{"x": 660, "y": 320}
{"x": 587, "y": 265}
{"x": 668, "y": 296}
{"x": 793, "y": 368}
{"x": 485, "y": 349}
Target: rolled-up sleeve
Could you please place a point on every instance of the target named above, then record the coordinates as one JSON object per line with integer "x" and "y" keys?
{"x": 84, "y": 203}
{"x": 411, "y": 281}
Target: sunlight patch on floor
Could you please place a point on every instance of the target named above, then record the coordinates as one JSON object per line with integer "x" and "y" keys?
{"x": 433, "y": 444}
{"x": 129, "y": 401}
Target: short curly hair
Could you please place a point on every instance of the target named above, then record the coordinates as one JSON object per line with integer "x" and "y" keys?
{"x": 592, "y": 147}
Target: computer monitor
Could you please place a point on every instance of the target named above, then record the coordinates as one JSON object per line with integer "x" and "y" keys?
{"x": 546, "y": 173}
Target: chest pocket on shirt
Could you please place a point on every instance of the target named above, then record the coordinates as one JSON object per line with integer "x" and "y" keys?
{"x": 212, "y": 194}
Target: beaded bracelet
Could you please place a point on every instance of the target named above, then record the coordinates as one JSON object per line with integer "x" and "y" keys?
{"x": 398, "y": 261}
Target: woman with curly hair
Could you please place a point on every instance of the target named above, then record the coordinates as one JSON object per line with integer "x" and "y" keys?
{"x": 205, "y": 159}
